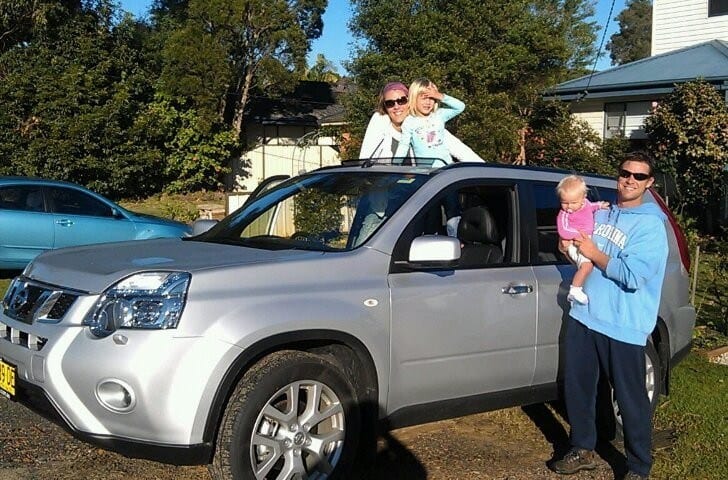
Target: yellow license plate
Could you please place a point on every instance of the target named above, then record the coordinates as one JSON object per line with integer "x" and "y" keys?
{"x": 7, "y": 378}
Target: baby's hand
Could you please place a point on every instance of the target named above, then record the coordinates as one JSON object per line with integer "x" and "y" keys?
{"x": 604, "y": 205}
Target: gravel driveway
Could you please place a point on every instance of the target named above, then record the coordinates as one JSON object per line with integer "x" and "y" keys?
{"x": 509, "y": 444}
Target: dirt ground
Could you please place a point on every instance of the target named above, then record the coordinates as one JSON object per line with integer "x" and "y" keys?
{"x": 512, "y": 444}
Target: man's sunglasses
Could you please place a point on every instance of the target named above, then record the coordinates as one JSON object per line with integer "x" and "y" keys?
{"x": 399, "y": 101}
{"x": 640, "y": 177}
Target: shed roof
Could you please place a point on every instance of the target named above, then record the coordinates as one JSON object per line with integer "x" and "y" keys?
{"x": 652, "y": 75}
{"x": 310, "y": 104}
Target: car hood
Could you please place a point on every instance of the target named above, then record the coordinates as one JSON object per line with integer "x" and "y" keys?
{"x": 93, "y": 268}
{"x": 146, "y": 218}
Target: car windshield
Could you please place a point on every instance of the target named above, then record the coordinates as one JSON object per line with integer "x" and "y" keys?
{"x": 323, "y": 211}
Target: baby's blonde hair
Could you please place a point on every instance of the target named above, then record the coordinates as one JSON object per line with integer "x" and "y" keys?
{"x": 415, "y": 90}
{"x": 570, "y": 183}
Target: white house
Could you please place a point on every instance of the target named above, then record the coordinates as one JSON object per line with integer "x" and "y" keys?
{"x": 690, "y": 41}
{"x": 682, "y": 23}
{"x": 287, "y": 136}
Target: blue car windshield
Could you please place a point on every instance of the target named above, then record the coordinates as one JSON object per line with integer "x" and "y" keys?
{"x": 323, "y": 211}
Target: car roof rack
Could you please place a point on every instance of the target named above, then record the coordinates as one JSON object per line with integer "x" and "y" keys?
{"x": 395, "y": 161}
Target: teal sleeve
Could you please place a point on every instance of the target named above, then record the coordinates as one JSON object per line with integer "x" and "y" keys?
{"x": 450, "y": 107}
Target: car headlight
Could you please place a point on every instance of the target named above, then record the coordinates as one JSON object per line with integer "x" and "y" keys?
{"x": 149, "y": 300}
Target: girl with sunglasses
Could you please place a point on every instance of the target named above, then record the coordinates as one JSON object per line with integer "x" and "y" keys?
{"x": 384, "y": 131}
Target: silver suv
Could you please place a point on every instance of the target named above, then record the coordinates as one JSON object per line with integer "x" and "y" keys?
{"x": 273, "y": 345}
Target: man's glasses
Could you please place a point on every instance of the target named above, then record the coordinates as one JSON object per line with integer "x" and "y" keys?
{"x": 399, "y": 101}
{"x": 640, "y": 177}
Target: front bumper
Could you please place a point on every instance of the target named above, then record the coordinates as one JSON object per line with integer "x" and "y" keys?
{"x": 172, "y": 380}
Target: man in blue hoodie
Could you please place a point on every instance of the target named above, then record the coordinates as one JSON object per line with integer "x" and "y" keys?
{"x": 629, "y": 251}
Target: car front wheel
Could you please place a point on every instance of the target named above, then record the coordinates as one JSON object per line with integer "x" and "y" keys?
{"x": 293, "y": 415}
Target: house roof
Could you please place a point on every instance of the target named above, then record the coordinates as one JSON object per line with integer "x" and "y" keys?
{"x": 310, "y": 104}
{"x": 652, "y": 75}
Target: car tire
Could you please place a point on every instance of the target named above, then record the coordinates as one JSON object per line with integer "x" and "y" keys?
{"x": 263, "y": 436}
{"x": 610, "y": 427}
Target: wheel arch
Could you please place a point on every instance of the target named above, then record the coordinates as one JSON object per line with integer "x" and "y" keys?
{"x": 341, "y": 348}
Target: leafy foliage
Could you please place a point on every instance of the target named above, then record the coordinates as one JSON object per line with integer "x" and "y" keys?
{"x": 228, "y": 50}
{"x": 323, "y": 70}
{"x": 558, "y": 140}
{"x": 69, "y": 101}
{"x": 634, "y": 39}
{"x": 498, "y": 63}
{"x": 318, "y": 211}
{"x": 689, "y": 139}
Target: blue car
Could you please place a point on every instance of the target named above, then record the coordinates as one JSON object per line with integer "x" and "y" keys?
{"x": 38, "y": 215}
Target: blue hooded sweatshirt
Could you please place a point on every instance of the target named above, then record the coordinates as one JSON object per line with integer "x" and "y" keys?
{"x": 624, "y": 299}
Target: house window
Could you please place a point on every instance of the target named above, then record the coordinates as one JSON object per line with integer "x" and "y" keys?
{"x": 615, "y": 119}
{"x": 717, "y": 8}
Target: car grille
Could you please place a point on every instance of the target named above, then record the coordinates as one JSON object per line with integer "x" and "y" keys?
{"x": 19, "y": 337}
{"x": 28, "y": 301}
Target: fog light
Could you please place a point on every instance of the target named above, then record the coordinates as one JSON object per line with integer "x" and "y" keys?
{"x": 116, "y": 395}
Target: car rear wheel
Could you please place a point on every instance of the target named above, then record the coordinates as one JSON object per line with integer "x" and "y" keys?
{"x": 293, "y": 415}
{"x": 611, "y": 426}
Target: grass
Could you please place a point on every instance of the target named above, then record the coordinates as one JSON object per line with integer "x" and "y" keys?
{"x": 696, "y": 412}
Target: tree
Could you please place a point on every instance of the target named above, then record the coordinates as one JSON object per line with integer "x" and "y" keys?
{"x": 499, "y": 63}
{"x": 79, "y": 104}
{"x": 689, "y": 139}
{"x": 634, "y": 39}
{"x": 229, "y": 49}
{"x": 20, "y": 20}
{"x": 322, "y": 71}
{"x": 556, "y": 139}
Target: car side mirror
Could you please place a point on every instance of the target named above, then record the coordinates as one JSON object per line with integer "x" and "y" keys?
{"x": 202, "y": 225}
{"x": 434, "y": 251}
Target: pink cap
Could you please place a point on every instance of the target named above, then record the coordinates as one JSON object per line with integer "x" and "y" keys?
{"x": 395, "y": 86}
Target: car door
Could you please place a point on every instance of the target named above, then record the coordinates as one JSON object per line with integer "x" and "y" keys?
{"x": 81, "y": 219}
{"x": 26, "y": 229}
{"x": 469, "y": 330}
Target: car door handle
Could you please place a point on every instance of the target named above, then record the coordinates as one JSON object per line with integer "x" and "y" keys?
{"x": 64, "y": 222}
{"x": 517, "y": 289}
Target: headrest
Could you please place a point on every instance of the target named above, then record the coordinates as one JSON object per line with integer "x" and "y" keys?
{"x": 477, "y": 226}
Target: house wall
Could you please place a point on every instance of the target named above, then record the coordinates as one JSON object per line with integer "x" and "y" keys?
{"x": 279, "y": 150}
{"x": 682, "y": 23}
{"x": 634, "y": 111}
{"x": 591, "y": 112}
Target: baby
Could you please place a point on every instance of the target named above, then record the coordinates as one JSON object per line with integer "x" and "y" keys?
{"x": 576, "y": 216}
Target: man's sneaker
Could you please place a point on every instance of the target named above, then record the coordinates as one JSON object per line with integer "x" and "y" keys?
{"x": 575, "y": 460}
{"x": 635, "y": 476}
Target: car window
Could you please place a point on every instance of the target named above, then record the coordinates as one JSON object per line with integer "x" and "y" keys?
{"x": 547, "y": 207}
{"x": 481, "y": 215}
{"x": 22, "y": 197}
{"x": 325, "y": 211}
{"x": 69, "y": 201}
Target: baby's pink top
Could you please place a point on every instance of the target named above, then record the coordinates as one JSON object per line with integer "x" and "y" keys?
{"x": 570, "y": 224}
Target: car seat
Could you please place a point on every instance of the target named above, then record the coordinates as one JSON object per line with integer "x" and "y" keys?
{"x": 479, "y": 234}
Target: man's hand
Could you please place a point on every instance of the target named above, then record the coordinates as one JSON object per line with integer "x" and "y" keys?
{"x": 589, "y": 249}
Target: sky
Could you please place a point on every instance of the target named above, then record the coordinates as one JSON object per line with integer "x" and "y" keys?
{"x": 337, "y": 43}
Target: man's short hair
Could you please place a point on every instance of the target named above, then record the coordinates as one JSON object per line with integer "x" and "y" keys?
{"x": 639, "y": 156}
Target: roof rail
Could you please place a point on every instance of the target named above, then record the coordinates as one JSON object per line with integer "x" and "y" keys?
{"x": 396, "y": 161}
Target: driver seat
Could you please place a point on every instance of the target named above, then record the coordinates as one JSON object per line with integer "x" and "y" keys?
{"x": 479, "y": 234}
